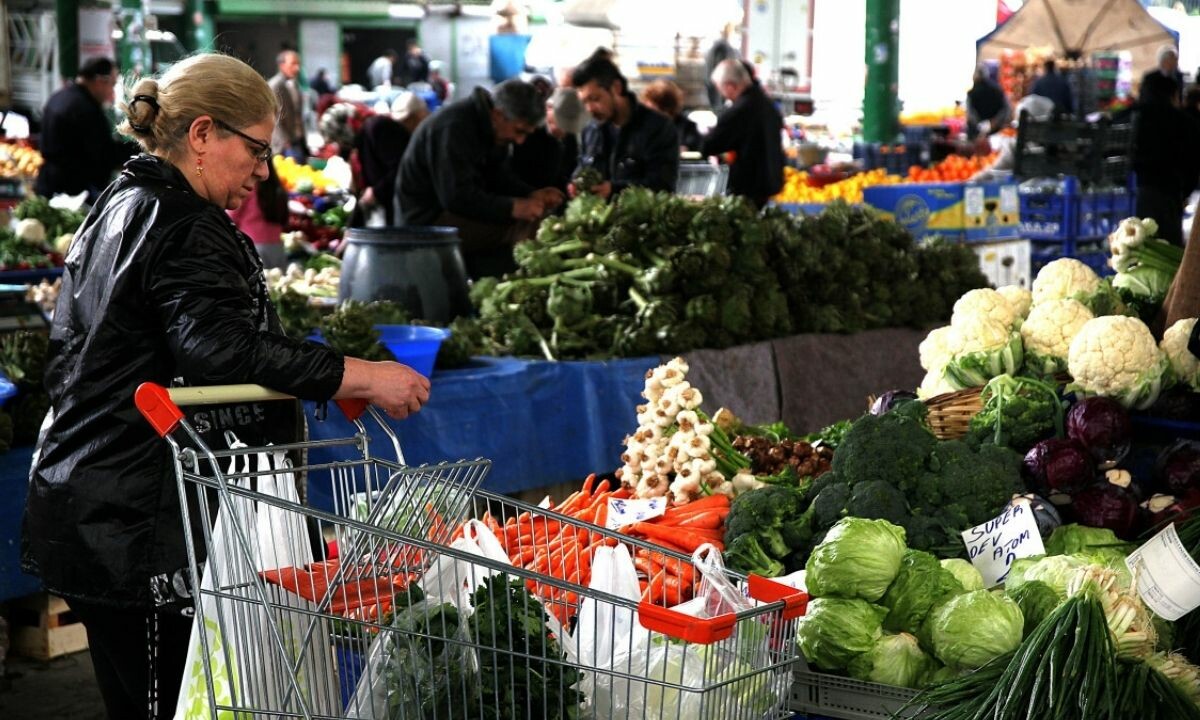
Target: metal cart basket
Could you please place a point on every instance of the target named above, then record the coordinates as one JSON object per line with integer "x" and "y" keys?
{"x": 702, "y": 180}
{"x": 389, "y": 623}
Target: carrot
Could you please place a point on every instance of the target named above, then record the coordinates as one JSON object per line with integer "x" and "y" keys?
{"x": 706, "y": 520}
{"x": 704, "y": 503}
{"x": 622, "y": 493}
{"x": 522, "y": 557}
{"x": 688, "y": 539}
{"x": 673, "y": 590}
{"x": 644, "y": 564}
{"x": 588, "y": 483}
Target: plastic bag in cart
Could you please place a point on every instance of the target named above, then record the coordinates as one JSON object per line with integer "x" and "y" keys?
{"x": 687, "y": 679}
{"x": 239, "y": 631}
{"x": 453, "y": 579}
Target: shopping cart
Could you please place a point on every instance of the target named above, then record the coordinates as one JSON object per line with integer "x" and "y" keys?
{"x": 701, "y": 179}
{"x": 391, "y": 624}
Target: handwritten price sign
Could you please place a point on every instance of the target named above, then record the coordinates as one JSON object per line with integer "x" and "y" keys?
{"x": 625, "y": 512}
{"x": 994, "y": 545}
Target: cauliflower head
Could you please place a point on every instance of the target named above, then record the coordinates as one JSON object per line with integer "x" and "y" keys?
{"x": 1020, "y": 298}
{"x": 1116, "y": 356}
{"x": 1184, "y": 365}
{"x": 935, "y": 383}
{"x": 1069, "y": 278}
{"x": 31, "y": 231}
{"x": 988, "y": 348}
{"x": 1048, "y": 332}
{"x": 983, "y": 303}
{"x": 939, "y": 347}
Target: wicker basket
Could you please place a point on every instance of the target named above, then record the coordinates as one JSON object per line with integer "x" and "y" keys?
{"x": 950, "y": 414}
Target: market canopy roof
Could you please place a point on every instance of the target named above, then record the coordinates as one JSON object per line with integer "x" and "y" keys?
{"x": 1078, "y": 28}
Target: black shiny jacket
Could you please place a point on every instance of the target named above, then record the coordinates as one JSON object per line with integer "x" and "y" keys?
{"x": 159, "y": 286}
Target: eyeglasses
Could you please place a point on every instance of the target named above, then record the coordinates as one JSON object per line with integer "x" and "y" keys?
{"x": 262, "y": 153}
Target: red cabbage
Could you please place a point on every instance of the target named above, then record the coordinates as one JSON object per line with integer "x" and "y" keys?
{"x": 1108, "y": 504}
{"x": 888, "y": 400}
{"x": 1102, "y": 425}
{"x": 1059, "y": 466}
{"x": 1177, "y": 469}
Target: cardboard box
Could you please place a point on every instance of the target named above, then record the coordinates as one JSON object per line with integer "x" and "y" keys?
{"x": 953, "y": 211}
{"x": 1006, "y": 263}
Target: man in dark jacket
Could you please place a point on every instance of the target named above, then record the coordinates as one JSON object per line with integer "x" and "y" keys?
{"x": 987, "y": 108}
{"x": 381, "y": 144}
{"x": 627, "y": 142}
{"x": 751, "y": 128}
{"x": 455, "y": 172}
{"x": 1054, "y": 86}
{"x": 1166, "y": 156}
{"x": 77, "y": 140}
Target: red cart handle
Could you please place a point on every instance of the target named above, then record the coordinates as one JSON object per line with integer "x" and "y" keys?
{"x": 682, "y": 626}
{"x": 160, "y": 405}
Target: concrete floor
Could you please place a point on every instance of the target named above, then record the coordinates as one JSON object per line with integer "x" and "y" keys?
{"x": 59, "y": 689}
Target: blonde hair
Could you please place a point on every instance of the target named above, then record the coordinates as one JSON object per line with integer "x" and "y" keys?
{"x": 159, "y": 113}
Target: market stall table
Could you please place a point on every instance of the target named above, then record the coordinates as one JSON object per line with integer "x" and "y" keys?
{"x": 14, "y": 481}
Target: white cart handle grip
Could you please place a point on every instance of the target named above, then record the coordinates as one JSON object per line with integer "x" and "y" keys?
{"x": 160, "y": 405}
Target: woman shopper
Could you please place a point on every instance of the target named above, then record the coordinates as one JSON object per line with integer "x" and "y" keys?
{"x": 263, "y": 218}
{"x": 160, "y": 286}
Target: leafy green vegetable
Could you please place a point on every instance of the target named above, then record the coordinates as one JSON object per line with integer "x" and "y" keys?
{"x": 351, "y": 328}
{"x": 921, "y": 585}
{"x": 833, "y": 632}
{"x": 427, "y": 672}
{"x": 965, "y": 573}
{"x": 1036, "y": 600}
{"x": 857, "y": 559}
{"x": 896, "y": 660}
{"x": 296, "y": 314}
{"x": 1053, "y": 570}
{"x": 764, "y": 528}
{"x": 832, "y": 435}
{"x": 1017, "y": 413}
{"x": 1101, "y": 544}
{"x": 975, "y": 628}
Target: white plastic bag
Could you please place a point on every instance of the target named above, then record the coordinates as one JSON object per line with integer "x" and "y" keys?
{"x": 608, "y": 636}
{"x": 451, "y": 579}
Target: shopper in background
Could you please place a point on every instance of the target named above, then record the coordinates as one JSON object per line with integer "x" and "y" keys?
{"x": 381, "y": 144}
{"x": 719, "y": 52}
{"x": 751, "y": 128}
{"x": 1166, "y": 156}
{"x": 549, "y": 155}
{"x": 263, "y": 217}
{"x": 627, "y": 142}
{"x": 441, "y": 87}
{"x": 77, "y": 144}
{"x": 667, "y": 98}
{"x": 288, "y": 137}
{"x": 456, "y": 173}
{"x": 987, "y": 108}
{"x": 382, "y": 69}
{"x": 1053, "y": 85}
{"x": 415, "y": 65}
{"x": 1168, "y": 67}
{"x": 161, "y": 287}
{"x": 320, "y": 83}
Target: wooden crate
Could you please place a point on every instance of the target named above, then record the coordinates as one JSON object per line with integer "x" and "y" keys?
{"x": 43, "y": 627}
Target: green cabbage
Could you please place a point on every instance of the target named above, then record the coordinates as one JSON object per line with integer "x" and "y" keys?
{"x": 972, "y": 629}
{"x": 1054, "y": 570}
{"x": 1098, "y": 545}
{"x": 832, "y": 632}
{"x": 858, "y": 559}
{"x": 965, "y": 573}
{"x": 921, "y": 585}
{"x": 939, "y": 674}
{"x": 894, "y": 660}
{"x": 1036, "y": 600}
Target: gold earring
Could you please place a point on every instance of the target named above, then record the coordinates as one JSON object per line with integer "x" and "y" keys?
{"x": 200, "y": 165}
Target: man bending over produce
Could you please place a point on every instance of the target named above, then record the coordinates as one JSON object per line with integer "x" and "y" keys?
{"x": 455, "y": 173}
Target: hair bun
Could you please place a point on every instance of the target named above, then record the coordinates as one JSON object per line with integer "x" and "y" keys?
{"x": 143, "y": 107}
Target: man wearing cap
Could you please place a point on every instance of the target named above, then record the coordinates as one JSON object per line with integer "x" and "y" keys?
{"x": 77, "y": 142}
{"x": 549, "y": 155}
{"x": 381, "y": 144}
{"x": 456, "y": 173}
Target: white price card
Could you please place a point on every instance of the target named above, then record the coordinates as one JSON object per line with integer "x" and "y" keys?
{"x": 994, "y": 545}
{"x": 622, "y": 512}
{"x": 1168, "y": 579}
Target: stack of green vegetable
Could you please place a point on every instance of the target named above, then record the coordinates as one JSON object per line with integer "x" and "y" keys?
{"x": 892, "y": 615}
{"x": 23, "y": 356}
{"x": 518, "y": 671}
{"x": 890, "y": 467}
{"x": 1145, "y": 265}
{"x": 659, "y": 273}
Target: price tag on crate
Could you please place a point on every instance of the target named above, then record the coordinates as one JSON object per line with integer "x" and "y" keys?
{"x": 627, "y": 511}
{"x": 994, "y": 545}
{"x": 1168, "y": 579}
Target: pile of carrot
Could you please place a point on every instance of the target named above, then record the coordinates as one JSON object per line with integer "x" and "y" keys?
{"x": 564, "y": 551}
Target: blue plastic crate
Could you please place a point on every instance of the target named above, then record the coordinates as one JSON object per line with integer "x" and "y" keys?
{"x": 1073, "y": 213}
{"x": 1096, "y": 259}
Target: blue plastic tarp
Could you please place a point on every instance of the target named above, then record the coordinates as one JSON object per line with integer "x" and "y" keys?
{"x": 540, "y": 423}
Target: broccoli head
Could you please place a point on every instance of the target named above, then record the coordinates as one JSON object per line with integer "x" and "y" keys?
{"x": 759, "y": 525}
{"x": 892, "y": 447}
{"x": 877, "y": 499}
{"x": 1017, "y": 413}
{"x": 829, "y": 505}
